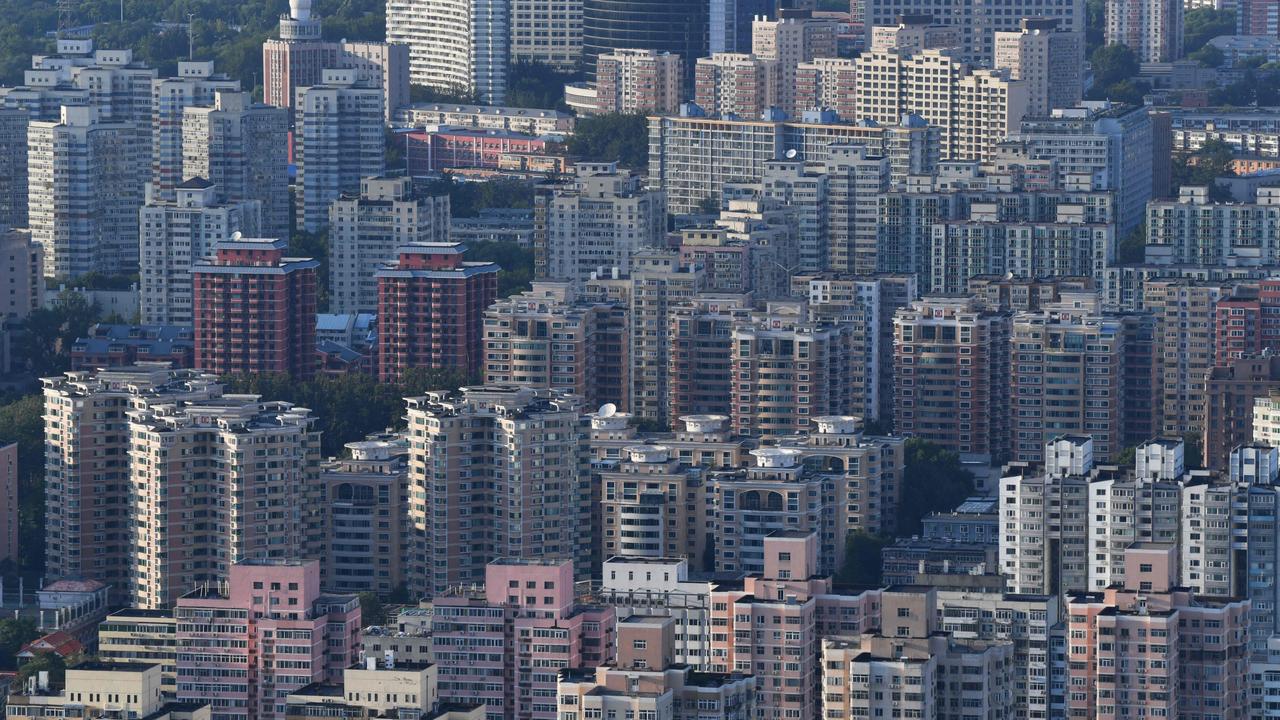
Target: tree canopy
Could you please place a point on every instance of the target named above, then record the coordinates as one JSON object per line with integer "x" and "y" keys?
{"x": 1115, "y": 68}
{"x": 606, "y": 138}
{"x": 933, "y": 481}
{"x": 1200, "y": 25}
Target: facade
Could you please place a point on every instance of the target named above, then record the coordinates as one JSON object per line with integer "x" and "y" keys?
{"x": 1237, "y": 396}
{"x": 147, "y": 637}
{"x": 175, "y": 235}
{"x": 1152, "y": 29}
{"x": 13, "y": 167}
{"x": 85, "y": 187}
{"x": 639, "y": 81}
{"x": 1184, "y": 312}
{"x": 108, "y": 346}
{"x": 736, "y": 85}
{"x": 364, "y": 539}
{"x": 1047, "y": 59}
{"x": 255, "y": 309}
{"x": 548, "y": 32}
{"x": 461, "y": 46}
{"x": 936, "y": 331}
{"x": 598, "y": 222}
{"x": 672, "y": 26}
{"x": 790, "y": 38}
{"x": 548, "y": 338}
{"x": 366, "y": 230}
{"x": 530, "y": 121}
{"x": 700, "y": 369}
{"x": 338, "y": 142}
{"x": 242, "y": 148}
{"x": 9, "y": 491}
{"x": 445, "y": 147}
{"x": 826, "y": 82}
{"x": 269, "y": 631}
{"x": 21, "y": 275}
{"x": 196, "y": 85}
{"x": 533, "y": 480}
{"x": 99, "y": 690}
{"x": 431, "y": 307}
{"x": 976, "y": 25}
{"x": 1194, "y": 231}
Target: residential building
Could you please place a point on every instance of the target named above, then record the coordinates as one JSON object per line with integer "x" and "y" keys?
{"x": 75, "y": 73}
{"x": 1194, "y": 659}
{"x": 98, "y": 689}
{"x": 802, "y": 191}
{"x": 255, "y": 309}
{"x": 596, "y": 222}
{"x": 647, "y": 678}
{"x": 974, "y": 26}
{"x": 547, "y": 32}
{"x": 460, "y": 46}
{"x": 85, "y": 178}
{"x": 338, "y": 141}
{"x": 505, "y": 643}
{"x": 431, "y": 307}
{"x": 929, "y": 337}
{"x": 242, "y": 148}
{"x": 826, "y": 82}
{"x": 196, "y": 85}
{"x": 632, "y": 81}
{"x": 1194, "y": 231}
{"x": 674, "y": 26}
{"x": 700, "y": 369}
{"x": 855, "y": 177}
{"x": 21, "y": 275}
{"x": 651, "y": 587}
{"x": 736, "y": 85}
{"x": 13, "y": 167}
{"x": 146, "y": 637}
{"x": 178, "y": 233}
{"x": 658, "y": 282}
{"x": 363, "y": 540}
{"x": 1237, "y": 395}
{"x": 1184, "y": 312}
{"x": 529, "y": 121}
{"x": 1097, "y": 138}
{"x": 652, "y": 506}
{"x": 1152, "y": 29}
{"x": 273, "y": 632}
{"x": 536, "y": 503}
{"x": 790, "y": 38}
{"x": 109, "y": 346}
{"x": 548, "y": 338}
{"x": 9, "y": 493}
{"x": 380, "y": 686}
{"x": 1047, "y": 59}
{"x": 365, "y": 231}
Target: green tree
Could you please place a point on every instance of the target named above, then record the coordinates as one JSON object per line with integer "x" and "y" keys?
{"x": 372, "y": 611}
{"x": 537, "y": 85}
{"x": 1203, "y": 24}
{"x": 516, "y": 263}
{"x": 51, "y": 662}
{"x": 933, "y": 481}
{"x": 863, "y": 566}
{"x": 1208, "y": 56}
{"x": 14, "y": 633}
{"x": 315, "y": 246}
{"x": 1204, "y": 166}
{"x": 48, "y": 333}
{"x": 1112, "y": 64}
{"x": 1132, "y": 247}
{"x": 21, "y": 422}
{"x": 612, "y": 137}
{"x": 468, "y": 199}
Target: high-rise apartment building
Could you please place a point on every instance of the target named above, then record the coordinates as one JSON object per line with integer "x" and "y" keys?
{"x": 548, "y": 338}
{"x": 431, "y": 307}
{"x": 1194, "y": 657}
{"x": 522, "y": 493}
{"x": 85, "y": 178}
{"x": 825, "y": 82}
{"x": 242, "y": 148}
{"x": 255, "y": 309}
{"x": 1194, "y": 231}
{"x": 362, "y": 537}
{"x": 1234, "y": 394}
{"x": 13, "y": 167}
{"x": 9, "y": 501}
{"x": 547, "y": 32}
{"x": 148, "y": 637}
{"x": 1067, "y": 376}
{"x": 21, "y": 275}
{"x": 1184, "y": 312}
{"x": 645, "y": 674}
{"x": 506, "y": 643}
{"x": 855, "y": 177}
{"x": 338, "y": 141}
{"x": 458, "y": 46}
{"x": 1152, "y": 29}
{"x": 790, "y": 38}
{"x": 700, "y": 369}
{"x": 110, "y": 81}
{"x": 652, "y": 506}
{"x": 802, "y": 191}
{"x": 658, "y": 282}
{"x": 639, "y": 81}
{"x": 736, "y": 84}
{"x": 959, "y": 406}
{"x": 1096, "y": 138}
{"x": 196, "y": 85}
{"x": 153, "y": 528}
{"x": 177, "y": 233}
{"x": 974, "y": 25}
{"x": 271, "y": 630}
{"x": 365, "y": 232}
{"x": 675, "y": 26}
{"x": 1047, "y": 59}
{"x": 596, "y": 222}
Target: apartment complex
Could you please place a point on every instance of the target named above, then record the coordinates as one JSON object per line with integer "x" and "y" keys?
{"x": 255, "y": 309}
{"x": 338, "y": 141}
{"x": 431, "y": 307}
{"x": 460, "y": 46}
{"x": 365, "y": 232}
{"x": 1048, "y": 59}
{"x": 638, "y": 81}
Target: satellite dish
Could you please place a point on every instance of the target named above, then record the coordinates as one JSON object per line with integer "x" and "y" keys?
{"x": 791, "y": 154}
{"x": 235, "y": 236}
{"x": 607, "y": 410}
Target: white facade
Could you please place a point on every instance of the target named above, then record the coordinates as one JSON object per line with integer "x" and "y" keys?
{"x": 338, "y": 142}
{"x": 455, "y": 45}
{"x": 600, "y": 221}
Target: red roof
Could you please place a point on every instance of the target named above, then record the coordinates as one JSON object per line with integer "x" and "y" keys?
{"x": 55, "y": 642}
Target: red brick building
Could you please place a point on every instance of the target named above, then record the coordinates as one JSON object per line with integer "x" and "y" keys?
{"x": 431, "y": 310}
{"x": 255, "y": 310}
{"x": 454, "y": 147}
{"x": 1247, "y": 322}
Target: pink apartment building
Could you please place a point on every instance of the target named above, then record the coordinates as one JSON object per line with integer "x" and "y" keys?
{"x": 771, "y": 625}
{"x": 243, "y": 648}
{"x": 506, "y": 644}
{"x": 1150, "y": 648}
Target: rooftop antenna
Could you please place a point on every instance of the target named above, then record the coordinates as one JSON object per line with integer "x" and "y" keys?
{"x": 65, "y": 9}
{"x": 191, "y": 36}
